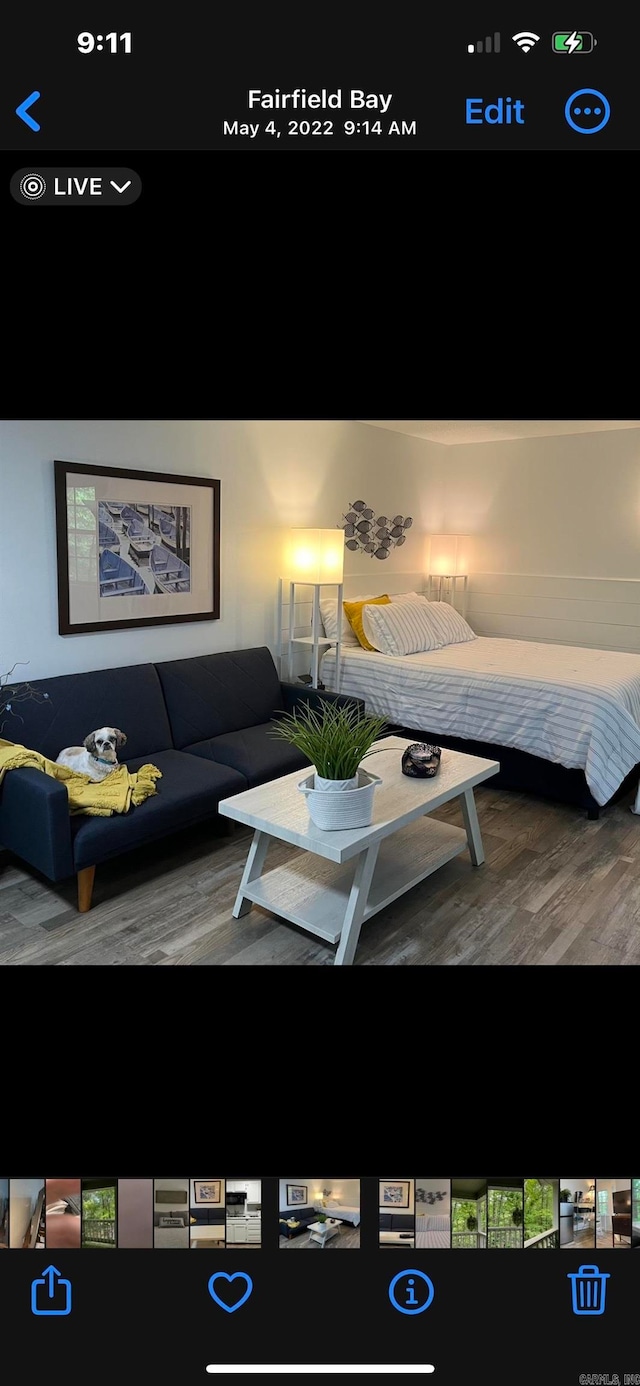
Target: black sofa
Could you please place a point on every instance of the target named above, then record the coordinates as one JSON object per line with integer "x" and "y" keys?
{"x": 203, "y": 1216}
{"x": 204, "y": 722}
{"x": 302, "y": 1215}
{"x": 404, "y": 1223}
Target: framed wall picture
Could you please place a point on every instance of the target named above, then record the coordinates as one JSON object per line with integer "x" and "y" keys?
{"x": 135, "y": 548}
{"x": 394, "y": 1193}
{"x": 296, "y": 1193}
{"x": 207, "y": 1191}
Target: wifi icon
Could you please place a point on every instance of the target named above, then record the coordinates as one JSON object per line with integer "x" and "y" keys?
{"x": 526, "y": 40}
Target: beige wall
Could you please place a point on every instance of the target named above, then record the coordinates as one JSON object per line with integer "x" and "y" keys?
{"x": 566, "y": 505}
{"x": 274, "y": 475}
{"x": 575, "y": 1185}
{"x": 555, "y": 526}
{"x": 442, "y": 1206}
{"x": 347, "y": 1190}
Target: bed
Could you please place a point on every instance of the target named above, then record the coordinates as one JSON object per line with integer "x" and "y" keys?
{"x": 341, "y": 1211}
{"x": 433, "y": 1231}
{"x": 563, "y": 720}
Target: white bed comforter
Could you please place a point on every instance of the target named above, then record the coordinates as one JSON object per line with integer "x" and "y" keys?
{"x": 428, "y": 1239}
{"x": 577, "y": 707}
{"x": 338, "y": 1210}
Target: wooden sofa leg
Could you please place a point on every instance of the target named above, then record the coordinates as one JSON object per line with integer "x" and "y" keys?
{"x": 85, "y": 888}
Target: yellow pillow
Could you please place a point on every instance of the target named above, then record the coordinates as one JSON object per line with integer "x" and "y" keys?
{"x": 193, "y": 1219}
{"x": 353, "y": 613}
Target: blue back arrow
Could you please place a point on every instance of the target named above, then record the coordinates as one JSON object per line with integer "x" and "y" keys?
{"x": 22, "y": 110}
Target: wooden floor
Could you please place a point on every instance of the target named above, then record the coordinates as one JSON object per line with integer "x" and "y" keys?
{"x": 347, "y": 1237}
{"x": 583, "y": 1240}
{"x": 555, "y": 889}
{"x": 604, "y": 1240}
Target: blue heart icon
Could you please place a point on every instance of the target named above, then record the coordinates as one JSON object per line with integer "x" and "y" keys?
{"x": 238, "y": 1275}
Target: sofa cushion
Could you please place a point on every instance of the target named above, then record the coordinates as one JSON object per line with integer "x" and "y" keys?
{"x": 254, "y": 752}
{"x": 402, "y": 1222}
{"x": 130, "y": 698}
{"x": 190, "y": 790}
{"x": 214, "y": 694}
{"x": 207, "y": 1217}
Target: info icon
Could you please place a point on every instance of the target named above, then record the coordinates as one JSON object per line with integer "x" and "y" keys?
{"x": 411, "y": 1292}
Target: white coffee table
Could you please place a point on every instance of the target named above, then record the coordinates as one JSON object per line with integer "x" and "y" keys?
{"x": 322, "y": 1231}
{"x": 206, "y": 1234}
{"x": 406, "y": 1239}
{"x": 320, "y": 891}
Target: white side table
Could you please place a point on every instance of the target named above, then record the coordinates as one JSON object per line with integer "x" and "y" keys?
{"x": 318, "y": 643}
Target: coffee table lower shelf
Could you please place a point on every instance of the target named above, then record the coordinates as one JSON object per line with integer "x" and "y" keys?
{"x": 315, "y": 893}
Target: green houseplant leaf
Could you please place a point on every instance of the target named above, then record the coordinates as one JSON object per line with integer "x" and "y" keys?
{"x": 335, "y": 739}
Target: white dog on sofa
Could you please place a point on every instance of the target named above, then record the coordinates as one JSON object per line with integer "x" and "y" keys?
{"x": 98, "y": 756}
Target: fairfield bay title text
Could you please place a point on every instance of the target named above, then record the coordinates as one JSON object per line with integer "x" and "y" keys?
{"x": 302, "y": 100}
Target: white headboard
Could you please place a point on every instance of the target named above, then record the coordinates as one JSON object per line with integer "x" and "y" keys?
{"x": 603, "y": 613}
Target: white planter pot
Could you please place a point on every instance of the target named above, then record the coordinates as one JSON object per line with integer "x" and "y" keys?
{"x": 334, "y": 786}
{"x": 350, "y": 807}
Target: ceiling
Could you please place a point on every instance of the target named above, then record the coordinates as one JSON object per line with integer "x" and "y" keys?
{"x": 476, "y": 1188}
{"x": 495, "y": 430}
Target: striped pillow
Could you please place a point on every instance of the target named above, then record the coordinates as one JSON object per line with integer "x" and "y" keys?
{"x": 353, "y": 612}
{"x": 329, "y": 616}
{"x": 404, "y": 628}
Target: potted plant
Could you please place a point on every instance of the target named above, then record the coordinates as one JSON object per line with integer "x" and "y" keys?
{"x": 13, "y": 693}
{"x": 472, "y": 1223}
{"x": 516, "y": 1217}
{"x": 335, "y": 739}
{"x": 566, "y": 1204}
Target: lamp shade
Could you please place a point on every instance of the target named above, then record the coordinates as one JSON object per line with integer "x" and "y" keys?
{"x": 449, "y": 555}
{"x": 315, "y": 555}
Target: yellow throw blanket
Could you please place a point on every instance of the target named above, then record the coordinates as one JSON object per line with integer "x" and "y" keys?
{"x": 115, "y": 794}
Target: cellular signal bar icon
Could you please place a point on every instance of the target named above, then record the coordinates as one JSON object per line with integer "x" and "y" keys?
{"x": 488, "y": 45}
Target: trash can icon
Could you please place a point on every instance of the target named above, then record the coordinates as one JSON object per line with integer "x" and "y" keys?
{"x": 588, "y": 1289}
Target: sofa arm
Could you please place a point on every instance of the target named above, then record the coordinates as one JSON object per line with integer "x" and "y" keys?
{"x": 34, "y": 821}
{"x": 297, "y": 694}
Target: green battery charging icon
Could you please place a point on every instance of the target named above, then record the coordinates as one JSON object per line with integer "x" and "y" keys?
{"x": 578, "y": 41}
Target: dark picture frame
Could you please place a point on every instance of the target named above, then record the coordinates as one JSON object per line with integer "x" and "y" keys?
{"x": 194, "y": 519}
{"x": 394, "y": 1193}
{"x": 296, "y": 1193}
{"x": 200, "y": 1184}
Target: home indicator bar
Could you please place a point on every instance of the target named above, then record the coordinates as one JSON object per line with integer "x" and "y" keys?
{"x": 237, "y": 1369}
